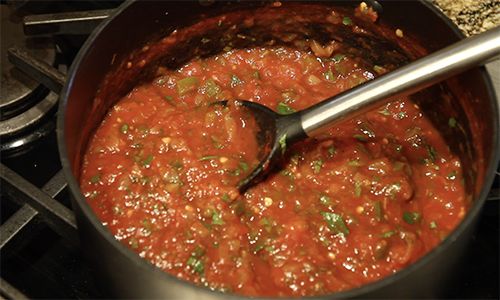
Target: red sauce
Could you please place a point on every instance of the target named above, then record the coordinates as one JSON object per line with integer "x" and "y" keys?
{"x": 357, "y": 203}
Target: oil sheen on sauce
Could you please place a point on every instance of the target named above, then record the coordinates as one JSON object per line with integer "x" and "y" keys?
{"x": 360, "y": 201}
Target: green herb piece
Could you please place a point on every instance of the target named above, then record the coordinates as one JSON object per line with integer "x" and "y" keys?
{"x": 217, "y": 219}
{"x": 147, "y": 161}
{"x": 329, "y": 75}
{"x": 347, "y": 21}
{"x": 452, "y": 122}
{"x": 269, "y": 248}
{"x": 338, "y": 57}
{"x": 259, "y": 247}
{"x": 432, "y": 153}
{"x": 134, "y": 243}
{"x": 124, "y": 128}
{"x": 95, "y": 179}
{"x": 282, "y": 142}
{"x": 335, "y": 223}
{"x": 267, "y": 223}
{"x": 256, "y": 75}
{"x": 354, "y": 163}
{"x": 377, "y": 208}
{"x": 388, "y": 234}
{"x": 385, "y": 112}
{"x": 235, "y": 81}
{"x": 411, "y": 217}
{"x": 187, "y": 85}
{"x": 401, "y": 115}
{"x": 243, "y": 166}
{"x": 452, "y": 175}
{"x": 433, "y": 225}
{"x": 284, "y": 109}
{"x": 331, "y": 151}
{"x": 325, "y": 200}
{"x": 317, "y": 165}
{"x": 225, "y": 197}
{"x": 357, "y": 189}
{"x": 208, "y": 157}
{"x": 198, "y": 251}
{"x": 170, "y": 100}
{"x": 379, "y": 69}
{"x": 211, "y": 88}
{"x": 360, "y": 137}
{"x": 195, "y": 260}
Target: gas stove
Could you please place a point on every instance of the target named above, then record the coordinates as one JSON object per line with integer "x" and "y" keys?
{"x": 39, "y": 245}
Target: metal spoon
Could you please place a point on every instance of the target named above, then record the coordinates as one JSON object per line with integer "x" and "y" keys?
{"x": 277, "y": 132}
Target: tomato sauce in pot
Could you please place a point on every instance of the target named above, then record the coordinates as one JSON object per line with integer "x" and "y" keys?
{"x": 357, "y": 203}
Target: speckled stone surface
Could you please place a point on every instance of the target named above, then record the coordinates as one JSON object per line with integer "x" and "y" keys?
{"x": 472, "y": 16}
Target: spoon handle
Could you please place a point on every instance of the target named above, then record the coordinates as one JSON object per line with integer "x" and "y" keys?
{"x": 410, "y": 78}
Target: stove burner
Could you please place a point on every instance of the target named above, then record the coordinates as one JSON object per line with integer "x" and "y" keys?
{"x": 24, "y": 142}
{"x": 15, "y": 131}
{"x": 19, "y": 91}
{"x": 26, "y": 107}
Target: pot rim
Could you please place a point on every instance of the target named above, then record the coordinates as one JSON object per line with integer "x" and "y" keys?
{"x": 355, "y": 292}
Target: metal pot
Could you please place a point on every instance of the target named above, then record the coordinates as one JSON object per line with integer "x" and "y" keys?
{"x": 110, "y": 64}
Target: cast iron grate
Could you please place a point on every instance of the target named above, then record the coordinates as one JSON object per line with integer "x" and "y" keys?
{"x": 39, "y": 245}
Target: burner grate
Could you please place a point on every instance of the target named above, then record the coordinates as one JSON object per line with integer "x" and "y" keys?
{"x": 39, "y": 245}
{"x": 35, "y": 201}
{"x": 23, "y": 222}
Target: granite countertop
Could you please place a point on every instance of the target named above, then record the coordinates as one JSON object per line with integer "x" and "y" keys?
{"x": 473, "y": 17}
